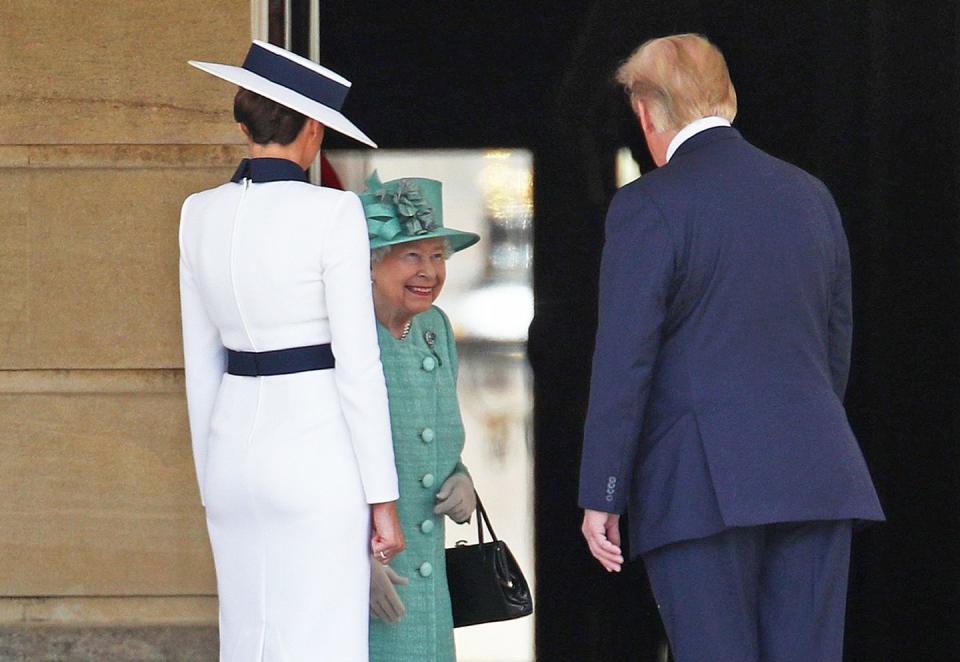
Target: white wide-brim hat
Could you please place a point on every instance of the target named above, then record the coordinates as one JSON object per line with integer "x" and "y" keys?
{"x": 294, "y": 82}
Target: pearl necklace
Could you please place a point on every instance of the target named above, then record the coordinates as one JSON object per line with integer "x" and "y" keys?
{"x": 406, "y": 330}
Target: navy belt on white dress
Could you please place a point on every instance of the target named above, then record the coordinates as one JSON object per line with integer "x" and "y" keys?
{"x": 280, "y": 361}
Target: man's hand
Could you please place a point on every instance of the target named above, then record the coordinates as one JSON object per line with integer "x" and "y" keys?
{"x": 456, "y": 498}
{"x": 387, "y": 539}
{"x": 602, "y": 532}
{"x": 385, "y": 602}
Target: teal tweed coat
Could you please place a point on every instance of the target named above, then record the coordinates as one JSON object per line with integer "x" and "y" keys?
{"x": 421, "y": 376}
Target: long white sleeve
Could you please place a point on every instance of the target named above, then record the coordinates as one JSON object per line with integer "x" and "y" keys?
{"x": 204, "y": 362}
{"x": 359, "y": 374}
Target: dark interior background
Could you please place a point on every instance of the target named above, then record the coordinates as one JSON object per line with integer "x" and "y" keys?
{"x": 862, "y": 94}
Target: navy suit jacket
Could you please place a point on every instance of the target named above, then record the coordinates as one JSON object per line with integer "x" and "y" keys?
{"x": 722, "y": 351}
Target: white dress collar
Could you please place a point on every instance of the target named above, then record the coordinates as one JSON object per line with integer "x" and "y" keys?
{"x": 693, "y": 129}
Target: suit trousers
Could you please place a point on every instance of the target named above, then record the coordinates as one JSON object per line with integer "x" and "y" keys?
{"x": 770, "y": 593}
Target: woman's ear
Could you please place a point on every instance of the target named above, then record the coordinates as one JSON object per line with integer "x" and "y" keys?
{"x": 245, "y": 130}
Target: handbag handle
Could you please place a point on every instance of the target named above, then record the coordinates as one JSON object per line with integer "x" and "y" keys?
{"x": 483, "y": 518}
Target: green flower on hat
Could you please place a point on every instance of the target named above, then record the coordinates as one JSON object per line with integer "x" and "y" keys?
{"x": 408, "y": 209}
{"x": 415, "y": 213}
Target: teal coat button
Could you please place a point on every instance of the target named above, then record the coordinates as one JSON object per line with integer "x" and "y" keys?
{"x": 429, "y": 363}
{"x": 427, "y": 435}
{"x": 426, "y": 526}
{"x": 428, "y": 480}
{"x": 425, "y": 569}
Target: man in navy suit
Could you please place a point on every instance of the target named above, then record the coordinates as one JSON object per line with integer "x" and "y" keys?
{"x": 721, "y": 360}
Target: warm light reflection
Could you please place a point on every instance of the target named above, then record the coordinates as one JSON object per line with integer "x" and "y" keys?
{"x": 507, "y": 187}
{"x": 500, "y": 312}
{"x": 627, "y": 168}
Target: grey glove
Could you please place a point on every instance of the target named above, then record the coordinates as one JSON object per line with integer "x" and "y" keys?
{"x": 456, "y": 498}
{"x": 385, "y": 602}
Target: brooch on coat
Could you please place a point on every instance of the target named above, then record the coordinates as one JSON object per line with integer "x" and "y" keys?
{"x": 430, "y": 337}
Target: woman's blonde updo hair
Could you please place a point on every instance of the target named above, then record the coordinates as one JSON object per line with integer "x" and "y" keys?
{"x": 679, "y": 78}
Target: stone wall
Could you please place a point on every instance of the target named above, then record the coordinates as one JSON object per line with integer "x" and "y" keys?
{"x": 104, "y": 129}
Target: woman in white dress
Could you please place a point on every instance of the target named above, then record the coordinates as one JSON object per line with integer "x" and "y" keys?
{"x": 292, "y": 446}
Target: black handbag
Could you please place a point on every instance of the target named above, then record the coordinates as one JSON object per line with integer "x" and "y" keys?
{"x": 486, "y": 584}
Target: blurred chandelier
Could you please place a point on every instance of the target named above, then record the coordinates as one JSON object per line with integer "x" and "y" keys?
{"x": 494, "y": 315}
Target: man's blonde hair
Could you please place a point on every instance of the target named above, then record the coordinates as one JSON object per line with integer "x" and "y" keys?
{"x": 679, "y": 78}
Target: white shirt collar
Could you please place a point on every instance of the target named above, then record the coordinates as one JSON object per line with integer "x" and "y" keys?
{"x": 693, "y": 129}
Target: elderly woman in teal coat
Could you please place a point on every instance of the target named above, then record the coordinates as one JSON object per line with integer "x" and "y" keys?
{"x": 409, "y": 600}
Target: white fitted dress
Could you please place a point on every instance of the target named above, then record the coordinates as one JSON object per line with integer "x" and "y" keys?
{"x": 286, "y": 464}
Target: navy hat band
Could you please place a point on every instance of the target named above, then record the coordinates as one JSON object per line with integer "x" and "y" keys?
{"x": 296, "y": 77}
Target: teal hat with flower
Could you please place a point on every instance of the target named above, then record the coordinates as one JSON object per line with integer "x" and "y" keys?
{"x": 408, "y": 209}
